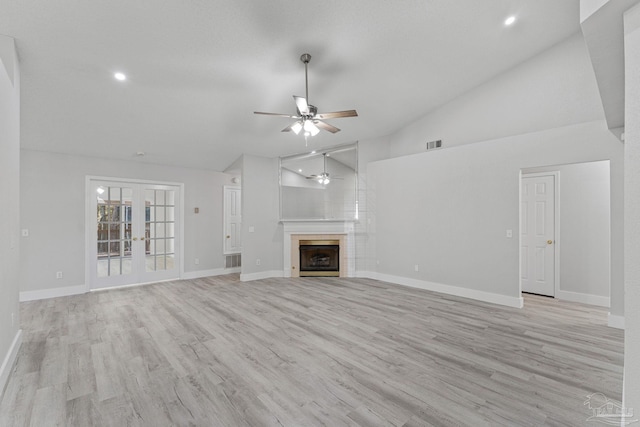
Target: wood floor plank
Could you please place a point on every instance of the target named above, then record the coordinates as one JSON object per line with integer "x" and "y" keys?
{"x": 307, "y": 352}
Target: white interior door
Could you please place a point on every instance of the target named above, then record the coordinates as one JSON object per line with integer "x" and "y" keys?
{"x": 537, "y": 227}
{"x": 232, "y": 220}
{"x": 134, "y": 233}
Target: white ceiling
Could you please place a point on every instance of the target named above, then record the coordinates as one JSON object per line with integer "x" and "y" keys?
{"x": 197, "y": 70}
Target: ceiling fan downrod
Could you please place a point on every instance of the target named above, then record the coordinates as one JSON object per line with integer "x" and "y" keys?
{"x": 305, "y": 58}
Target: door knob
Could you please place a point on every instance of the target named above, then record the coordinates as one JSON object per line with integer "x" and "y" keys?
{"x": 228, "y": 237}
{"x": 549, "y": 242}
{"x": 142, "y": 238}
{"x": 135, "y": 238}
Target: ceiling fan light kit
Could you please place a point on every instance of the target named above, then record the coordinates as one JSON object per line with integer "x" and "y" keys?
{"x": 308, "y": 118}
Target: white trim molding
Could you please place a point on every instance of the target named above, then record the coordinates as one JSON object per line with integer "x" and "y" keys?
{"x": 583, "y": 298}
{"x": 52, "y": 293}
{"x": 615, "y": 321}
{"x": 208, "y": 273}
{"x": 517, "y": 302}
{"x": 366, "y": 275}
{"x": 247, "y": 277}
{"x": 10, "y": 360}
{"x": 82, "y": 289}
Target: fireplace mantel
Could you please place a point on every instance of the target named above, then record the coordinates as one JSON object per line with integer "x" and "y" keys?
{"x": 295, "y": 229}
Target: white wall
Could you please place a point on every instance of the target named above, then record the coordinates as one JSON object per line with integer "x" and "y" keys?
{"x": 584, "y": 243}
{"x": 448, "y": 210}
{"x": 262, "y": 232}
{"x": 368, "y": 151}
{"x": 556, "y": 88}
{"x": 632, "y": 211}
{"x": 589, "y": 7}
{"x": 10, "y": 211}
{"x": 53, "y": 206}
{"x": 544, "y": 96}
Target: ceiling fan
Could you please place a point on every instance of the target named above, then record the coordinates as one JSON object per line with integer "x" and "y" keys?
{"x": 308, "y": 117}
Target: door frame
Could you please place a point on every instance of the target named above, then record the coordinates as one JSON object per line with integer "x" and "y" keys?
{"x": 556, "y": 227}
{"x": 90, "y": 219}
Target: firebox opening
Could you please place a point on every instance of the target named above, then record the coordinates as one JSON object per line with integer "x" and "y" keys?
{"x": 319, "y": 258}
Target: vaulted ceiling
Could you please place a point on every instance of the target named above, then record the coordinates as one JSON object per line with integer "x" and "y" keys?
{"x": 197, "y": 70}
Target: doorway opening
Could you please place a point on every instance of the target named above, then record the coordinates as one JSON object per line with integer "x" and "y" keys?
{"x": 565, "y": 232}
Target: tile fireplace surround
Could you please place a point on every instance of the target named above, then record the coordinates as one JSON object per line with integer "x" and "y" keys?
{"x": 294, "y": 231}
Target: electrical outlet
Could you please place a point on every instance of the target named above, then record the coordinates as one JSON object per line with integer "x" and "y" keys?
{"x": 509, "y": 233}
{"x": 59, "y": 275}
{"x": 25, "y": 232}
{"x": 258, "y": 261}
{"x": 416, "y": 267}
{"x": 196, "y": 261}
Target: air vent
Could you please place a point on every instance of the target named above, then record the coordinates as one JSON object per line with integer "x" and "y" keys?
{"x": 434, "y": 144}
{"x": 233, "y": 261}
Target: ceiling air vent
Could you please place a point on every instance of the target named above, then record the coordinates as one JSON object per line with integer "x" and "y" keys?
{"x": 434, "y": 144}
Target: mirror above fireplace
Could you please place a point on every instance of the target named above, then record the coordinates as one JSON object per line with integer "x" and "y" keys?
{"x": 320, "y": 185}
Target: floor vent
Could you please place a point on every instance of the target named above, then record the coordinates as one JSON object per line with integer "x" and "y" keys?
{"x": 434, "y": 144}
{"x": 233, "y": 261}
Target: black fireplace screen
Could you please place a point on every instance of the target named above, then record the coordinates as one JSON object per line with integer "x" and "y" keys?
{"x": 319, "y": 257}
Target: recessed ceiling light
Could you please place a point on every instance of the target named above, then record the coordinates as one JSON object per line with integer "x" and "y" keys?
{"x": 313, "y": 152}
{"x": 120, "y": 76}
{"x": 510, "y": 20}
{"x": 299, "y": 170}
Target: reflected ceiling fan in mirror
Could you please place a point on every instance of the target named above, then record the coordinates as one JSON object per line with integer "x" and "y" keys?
{"x": 308, "y": 119}
{"x": 323, "y": 178}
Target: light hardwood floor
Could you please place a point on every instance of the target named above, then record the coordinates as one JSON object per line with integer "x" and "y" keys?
{"x": 298, "y": 352}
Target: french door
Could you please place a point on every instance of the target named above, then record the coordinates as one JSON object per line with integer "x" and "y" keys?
{"x": 134, "y": 233}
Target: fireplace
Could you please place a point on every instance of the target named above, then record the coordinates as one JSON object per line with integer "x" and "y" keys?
{"x": 339, "y": 233}
{"x": 319, "y": 258}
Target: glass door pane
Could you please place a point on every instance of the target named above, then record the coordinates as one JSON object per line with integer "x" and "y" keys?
{"x": 160, "y": 229}
{"x": 114, "y": 222}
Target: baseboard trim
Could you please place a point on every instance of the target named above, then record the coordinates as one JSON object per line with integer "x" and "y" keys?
{"x": 508, "y": 301}
{"x": 9, "y": 361}
{"x": 208, "y": 273}
{"x": 247, "y": 277}
{"x": 52, "y": 293}
{"x": 365, "y": 275}
{"x": 615, "y": 321}
{"x": 81, "y": 289}
{"x": 583, "y": 298}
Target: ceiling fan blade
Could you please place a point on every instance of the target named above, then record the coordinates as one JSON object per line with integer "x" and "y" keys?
{"x": 337, "y": 114}
{"x": 326, "y": 126}
{"x": 301, "y": 103}
{"x": 289, "y": 116}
